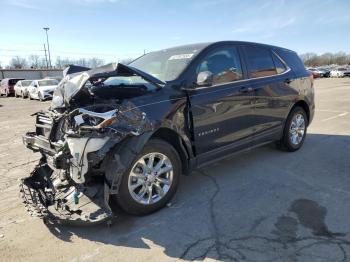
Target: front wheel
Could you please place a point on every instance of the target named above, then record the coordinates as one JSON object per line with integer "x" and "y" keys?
{"x": 41, "y": 99}
{"x": 152, "y": 179}
{"x": 295, "y": 130}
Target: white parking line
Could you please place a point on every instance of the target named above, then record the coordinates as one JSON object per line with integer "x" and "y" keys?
{"x": 333, "y": 117}
{"x": 330, "y": 111}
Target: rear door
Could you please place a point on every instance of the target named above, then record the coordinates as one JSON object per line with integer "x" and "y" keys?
{"x": 272, "y": 82}
{"x": 221, "y": 112}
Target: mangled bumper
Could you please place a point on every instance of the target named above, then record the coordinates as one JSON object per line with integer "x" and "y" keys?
{"x": 44, "y": 196}
{"x": 71, "y": 183}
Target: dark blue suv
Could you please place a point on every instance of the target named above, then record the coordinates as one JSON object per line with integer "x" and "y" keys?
{"x": 130, "y": 131}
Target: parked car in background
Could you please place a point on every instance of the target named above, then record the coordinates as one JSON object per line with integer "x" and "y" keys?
{"x": 7, "y": 86}
{"x": 173, "y": 110}
{"x": 340, "y": 72}
{"x": 323, "y": 72}
{"x": 42, "y": 89}
{"x": 346, "y": 73}
{"x": 314, "y": 73}
{"x": 21, "y": 88}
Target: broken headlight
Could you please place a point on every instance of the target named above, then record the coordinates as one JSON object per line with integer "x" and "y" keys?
{"x": 90, "y": 119}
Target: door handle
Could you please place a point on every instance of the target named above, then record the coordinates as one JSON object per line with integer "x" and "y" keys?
{"x": 245, "y": 89}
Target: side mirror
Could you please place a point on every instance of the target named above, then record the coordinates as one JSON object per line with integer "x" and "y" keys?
{"x": 35, "y": 85}
{"x": 205, "y": 78}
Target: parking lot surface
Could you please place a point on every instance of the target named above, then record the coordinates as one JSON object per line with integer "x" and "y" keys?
{"x": 264, "y": 205}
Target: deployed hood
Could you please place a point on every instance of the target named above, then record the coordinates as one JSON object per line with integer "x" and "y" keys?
{"x": 75, "y": 78}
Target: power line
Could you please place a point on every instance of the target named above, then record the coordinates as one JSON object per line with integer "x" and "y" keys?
{"x": 73, "y": 53}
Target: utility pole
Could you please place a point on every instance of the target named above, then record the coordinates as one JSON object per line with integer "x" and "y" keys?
{"x": 48, "y": 46}
{"x": 47, "y": 64}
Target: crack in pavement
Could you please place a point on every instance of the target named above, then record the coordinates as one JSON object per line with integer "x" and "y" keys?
{"x": 284, "y": 246}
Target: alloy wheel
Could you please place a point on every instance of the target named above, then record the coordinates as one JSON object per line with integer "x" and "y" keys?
{"x": 150, "y": 178}
{"x": 297, "y": 129}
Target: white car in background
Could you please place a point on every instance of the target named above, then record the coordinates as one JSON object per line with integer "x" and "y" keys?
{"x": 42, "y": 89}
{"x": 21, "y": 88}
{"x": 339, "y": 72}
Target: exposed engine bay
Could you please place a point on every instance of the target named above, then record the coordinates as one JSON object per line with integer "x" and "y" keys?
{"x": 79, "y": 136}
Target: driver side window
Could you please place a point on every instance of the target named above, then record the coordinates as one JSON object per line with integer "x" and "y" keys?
{"x": 224, "y": 64}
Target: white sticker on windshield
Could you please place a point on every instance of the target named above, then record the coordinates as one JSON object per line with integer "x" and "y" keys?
{"x": 182, "y": 56}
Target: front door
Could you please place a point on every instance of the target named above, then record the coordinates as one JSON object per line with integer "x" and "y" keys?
{"x": 221, "y": 111}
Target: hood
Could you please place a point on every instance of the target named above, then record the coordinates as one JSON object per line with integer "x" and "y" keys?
{"x": 75, "y": 78}
{"x": 50, "y": 88}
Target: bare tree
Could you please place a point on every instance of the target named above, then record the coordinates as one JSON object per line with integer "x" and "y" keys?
{"x": 91, "y": 62}
{"x": 18, "y": 62}
{"x": 311, "y": 59}
{"x": 34, "y": 61}
{"x": 95, "y": 62}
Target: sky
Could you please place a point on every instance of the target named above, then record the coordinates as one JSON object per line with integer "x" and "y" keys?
{"x": 120, "y": 29}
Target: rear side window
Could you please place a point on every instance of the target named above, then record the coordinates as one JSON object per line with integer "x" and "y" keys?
{"x": 259, "y": 62}
{"x": 224, "y": 63}
{"x": 292, "y": 60}
{"x": 280, "y": 67}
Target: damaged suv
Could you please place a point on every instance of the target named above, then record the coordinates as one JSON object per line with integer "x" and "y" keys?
{"x": 127, "y": 132}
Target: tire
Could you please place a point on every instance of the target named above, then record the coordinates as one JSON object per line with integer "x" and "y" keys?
{"x": 290, "y": 142}
{"x": 40, "y": 97}
{"x": 126, "y": 199}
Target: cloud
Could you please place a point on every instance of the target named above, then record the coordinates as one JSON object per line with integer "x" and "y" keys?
{"x": 285, "y": 23}
{"x": 266, "y": 29}
{"x": 242, "y": 29}
{"x": 24, "y": 4}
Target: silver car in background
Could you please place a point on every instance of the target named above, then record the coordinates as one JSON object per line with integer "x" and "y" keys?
{"x": 42, "y": 89}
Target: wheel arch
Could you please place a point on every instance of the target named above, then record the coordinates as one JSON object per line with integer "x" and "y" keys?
{"x": 174, "y": 139}
{"x": 304, "y": 106}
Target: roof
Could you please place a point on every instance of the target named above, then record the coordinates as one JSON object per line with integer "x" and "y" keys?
{"x": 201, "y": 46}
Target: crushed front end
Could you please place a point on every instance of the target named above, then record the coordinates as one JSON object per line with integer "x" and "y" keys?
{"x": 69, "y": 182}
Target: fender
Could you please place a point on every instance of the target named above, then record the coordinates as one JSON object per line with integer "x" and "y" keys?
{"x": 120, "y": 157}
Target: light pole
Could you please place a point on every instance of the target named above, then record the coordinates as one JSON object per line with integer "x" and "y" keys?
{"x": 48, "y": 47}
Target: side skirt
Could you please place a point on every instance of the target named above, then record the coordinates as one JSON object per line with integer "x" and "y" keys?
{"x": 233, "y": 149}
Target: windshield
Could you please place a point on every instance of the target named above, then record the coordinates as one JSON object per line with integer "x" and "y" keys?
{"x": 26, "y": 83}
{"x": 13, "y": 81}
{"x": 50, "y": 82}
{"x": 166, "y": 65}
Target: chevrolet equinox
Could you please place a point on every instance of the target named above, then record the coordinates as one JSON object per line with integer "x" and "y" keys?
{"x": 127, "y": 132}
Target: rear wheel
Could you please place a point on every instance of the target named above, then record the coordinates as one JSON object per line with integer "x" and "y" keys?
{"x": 152, "y": 179}
{"x": 295, "y": 130}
